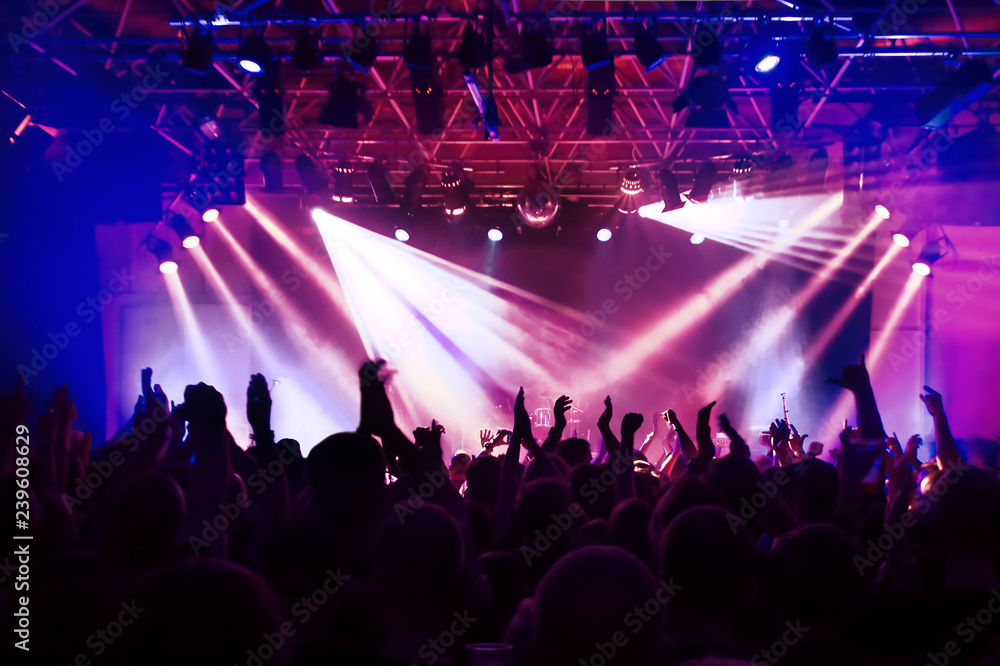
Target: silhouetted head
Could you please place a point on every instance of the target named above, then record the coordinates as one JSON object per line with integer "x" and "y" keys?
{"x": 346, "y": 476}
{"x": 593, "y": 489}
{"x": 146, "y": 519}
{"x": 419, "y": 559}
{"x": 815, "y": 575}
{"x": 575, "y": 451}
{"x": 685, "y": 493}
{"x": 587, "y": 596}
{"x": 203, "y": 612}
{"x": 708, "y": 553}
{"x": 630, "y": 528}
{"x": 459, "y": 463}
{"x": 817, "y": 487}
{"x": 536, "y": 469}
{"x": 482, "y": 480}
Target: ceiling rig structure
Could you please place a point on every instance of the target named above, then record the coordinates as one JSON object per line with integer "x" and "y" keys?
{"x": 511, "y": 92}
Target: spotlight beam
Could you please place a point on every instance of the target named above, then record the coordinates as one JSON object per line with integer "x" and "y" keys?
{"x": 191, "y": 330}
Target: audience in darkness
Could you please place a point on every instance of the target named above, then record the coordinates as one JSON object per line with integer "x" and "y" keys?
{"x": 175, "y": 545}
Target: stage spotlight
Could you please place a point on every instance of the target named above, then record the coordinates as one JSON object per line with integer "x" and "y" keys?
{"x": 495, "y": 235}
{"x": 882, "y": 211}
{"x": 363, "y": 51}
{"x": 670, "y": 191}
{"x": 705, "y": 48}
{"x": 632, "y": 182}
{"x": 402, "y": 235}
{"x": 272, "y": 167}
{"x": 254, "y": 54}
{"x": 413, "y": 189}
{"x": 820, "y": 49}
{"x": 601, "y": 91}
{"x": 764, "y": 54}
{"x": 378, "y": 179}
{"x": 210, "y": 215}
{"x": 905, "y": 234}
{"x": 704, "y": 180}
{"x": 594, "y": 48}
{"x": 343, "y": 182}
{"x": 209, "y": 128}
{"x": 197, "y": 52}
{"x": 182, "y": 227}
{"x": 163, "y": 252}
{"x": 785, "y": 107}
{"x": 456, "y": 192}
{"x": 306, "y": 53}
{"x": 647, "y": 50}
{"x": 472, "y": 52}
{"x": 417, "y": 51}
{"x": 268, "y": 90}
{"x": 929, "y": 255}
{"x": 314, "y": 177}
{"x": 427, "y": 100}
{"x": 342, "y": 106}
{"x": 697, "y": 238}
{"x": 535, "y": 47}
{"x": 744, "y": 166}
{"x": 604, "y": 234}
{"x": 709, "y": 95}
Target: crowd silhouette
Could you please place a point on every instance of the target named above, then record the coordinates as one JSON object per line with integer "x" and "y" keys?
{"x": 174, "y": 545}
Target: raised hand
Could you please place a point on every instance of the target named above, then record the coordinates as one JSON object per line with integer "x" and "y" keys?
{"x": 522, "y": 422}
{"x": 703, "y": 430}
{"x": 932, "y": 400}
{"x": 687, "y": 445}
{"x": 485, "y": 438}
{"x": 258, "y": 404}
{"x": 604, "y": 421}
{"x": 892, "y": 443}
{"x": 853, "y": 377}
{"x": 779, "y": 431}
{"x": 377, "y": 417}
{"x": 559, "y": 409}
{"x": 795, "y": 441}
{"x": 630, "y": 424}
{"x": 738, "y": 447}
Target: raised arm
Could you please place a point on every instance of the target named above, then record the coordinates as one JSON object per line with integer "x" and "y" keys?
{"x": 559, "y": 409}
{"x": 855, "y": 379}
{"x": 947, "y": 453}
{"x": 703, "y": 432}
